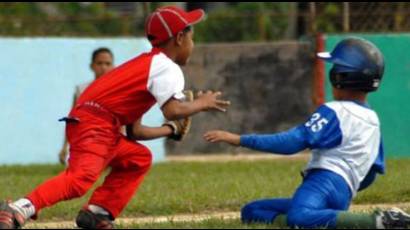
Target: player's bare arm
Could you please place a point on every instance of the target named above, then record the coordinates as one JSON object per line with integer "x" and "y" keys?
{"x": 137, "y": 131}
{"x": 222, "y": 136}
{"x": 174, "y": 109}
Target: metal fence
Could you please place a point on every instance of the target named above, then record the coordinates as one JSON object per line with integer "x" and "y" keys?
{"x": 363, "y": 16}
{"x": 226, "y": 22}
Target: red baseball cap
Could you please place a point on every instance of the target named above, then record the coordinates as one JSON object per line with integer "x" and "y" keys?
{"x": 165, "y": 22}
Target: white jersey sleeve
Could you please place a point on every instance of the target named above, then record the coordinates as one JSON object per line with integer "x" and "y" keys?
{"x": 322, "y": 130}
{"x": 165, "y": 80}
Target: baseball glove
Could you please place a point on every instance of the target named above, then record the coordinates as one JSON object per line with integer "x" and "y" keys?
{"x": 181, "y": 127}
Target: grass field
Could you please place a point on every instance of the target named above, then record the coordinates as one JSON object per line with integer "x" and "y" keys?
{"x": 200, "y": 187}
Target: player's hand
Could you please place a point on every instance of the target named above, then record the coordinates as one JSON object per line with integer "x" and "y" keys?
{"x": 210, "y": 101}
{"x": 215, "y": 136}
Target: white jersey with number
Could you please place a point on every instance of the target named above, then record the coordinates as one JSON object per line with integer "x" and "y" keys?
{"x": 348, "y": 139}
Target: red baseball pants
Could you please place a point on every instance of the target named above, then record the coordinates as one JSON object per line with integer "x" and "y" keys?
{"x": 95, "y": 144}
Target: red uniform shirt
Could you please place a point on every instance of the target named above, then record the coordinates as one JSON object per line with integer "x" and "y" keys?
{"x": 131, "y": 89}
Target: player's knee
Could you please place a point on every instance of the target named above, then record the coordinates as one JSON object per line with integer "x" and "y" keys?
{"x": 144, "y": 159}
{"x": 81, "y": 183}
{"x": 148, "y": 160}
{"x": 298, "y": 218}
{"x": 78, "y": 190}
{"x": 247, "y": 215}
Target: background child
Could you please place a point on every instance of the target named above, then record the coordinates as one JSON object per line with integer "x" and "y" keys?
{"x": 347, "y": 151}
{"x": 102, "y": 61}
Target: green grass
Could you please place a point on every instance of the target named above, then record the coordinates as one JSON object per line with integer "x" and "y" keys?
{"x": 176, "y": 188}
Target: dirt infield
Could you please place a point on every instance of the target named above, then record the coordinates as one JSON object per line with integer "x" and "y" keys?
{"x": 236, "y": 157}
{"x": 196, "y": 217}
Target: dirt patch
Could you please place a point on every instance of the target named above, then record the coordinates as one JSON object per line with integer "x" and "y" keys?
{"x": 236, "y": 157}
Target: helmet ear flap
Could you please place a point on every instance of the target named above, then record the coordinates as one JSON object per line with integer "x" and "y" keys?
{"x": 354, "y": 80}
{"x": 336, "y": 79}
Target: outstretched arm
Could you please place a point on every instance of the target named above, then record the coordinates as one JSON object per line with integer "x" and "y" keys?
{"x": 175, "y": 109}
{"x": 289, "y": 142}
{"x": 222, "y": 136}
{"x": 321, "y": 131}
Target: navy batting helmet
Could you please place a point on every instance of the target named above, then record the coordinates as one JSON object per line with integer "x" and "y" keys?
{"x": 357, "y": 65}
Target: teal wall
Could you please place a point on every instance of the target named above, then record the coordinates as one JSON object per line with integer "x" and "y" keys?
{"x": 37, "y": 81}
{"x": 392, "y": 101}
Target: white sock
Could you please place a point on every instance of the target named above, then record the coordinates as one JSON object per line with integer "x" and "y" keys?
{"x": 98, "y": 210}
{"x": 25, "y": 207}
{"x": 379, "y": 223}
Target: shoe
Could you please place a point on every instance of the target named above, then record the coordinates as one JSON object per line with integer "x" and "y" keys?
{"x": 10, "y": 218}
{"x": 394, "y": 218}
{"x": 88, "y": 220}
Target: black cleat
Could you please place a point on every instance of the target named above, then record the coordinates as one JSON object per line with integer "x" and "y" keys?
{"x": 88, "y": 220}
{"x": 10, "y": 218}
{"x": 395, "y": 218}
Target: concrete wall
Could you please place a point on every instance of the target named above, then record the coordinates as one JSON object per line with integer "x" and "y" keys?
{"x": 269, "y": 85}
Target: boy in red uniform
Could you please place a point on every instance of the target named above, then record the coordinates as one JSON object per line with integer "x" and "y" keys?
{"x": 118, "y": 98}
